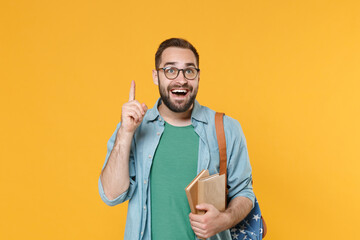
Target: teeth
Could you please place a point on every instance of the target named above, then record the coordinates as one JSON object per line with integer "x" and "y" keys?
{"x": 179, "y": 91}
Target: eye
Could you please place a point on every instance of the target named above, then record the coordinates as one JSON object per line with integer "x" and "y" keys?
{"x": 170, "y": 70}
{"x": 189, "y": 71}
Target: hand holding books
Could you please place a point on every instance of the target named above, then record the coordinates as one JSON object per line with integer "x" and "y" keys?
{"x": 207, "y": 189}
{"x": 207, "y": 195}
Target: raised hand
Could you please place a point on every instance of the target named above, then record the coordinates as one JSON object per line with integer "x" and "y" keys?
{"x": 132, "y": 112}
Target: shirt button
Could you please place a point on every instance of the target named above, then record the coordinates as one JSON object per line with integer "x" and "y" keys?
{"x": 145, "y": 208}
{"x": 149, "y": 156}
{"x": 144, "y": 181}
{"x": 142, "y": 233}
{"x": 158, "y": 133}
{"x": 160, "y": 119}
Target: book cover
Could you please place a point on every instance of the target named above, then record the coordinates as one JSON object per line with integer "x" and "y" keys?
{"x": 192, "y": 190}
{"x": 211, "y": 190}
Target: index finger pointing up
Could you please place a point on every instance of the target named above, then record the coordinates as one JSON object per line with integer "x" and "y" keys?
{"x": 132, "y": 91}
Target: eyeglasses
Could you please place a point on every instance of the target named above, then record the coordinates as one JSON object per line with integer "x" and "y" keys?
{"x": 173, "y": 72}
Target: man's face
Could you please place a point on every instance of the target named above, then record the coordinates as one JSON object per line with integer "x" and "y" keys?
{"x": 178, "y": 94}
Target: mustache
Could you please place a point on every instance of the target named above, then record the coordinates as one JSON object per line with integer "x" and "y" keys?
{"x": 175, "y": 86}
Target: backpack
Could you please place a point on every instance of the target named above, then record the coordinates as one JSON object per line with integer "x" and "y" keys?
{"x": 253, "y": 226}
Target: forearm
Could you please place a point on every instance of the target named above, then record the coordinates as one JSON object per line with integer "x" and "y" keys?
{"x": 115, "y": 175}
{"x": 237, "y": 210}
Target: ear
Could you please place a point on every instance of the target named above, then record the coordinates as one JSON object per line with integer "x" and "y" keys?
{"x": 155, "y": 77}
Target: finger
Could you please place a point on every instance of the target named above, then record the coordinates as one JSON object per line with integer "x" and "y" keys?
{"x": 145, "y": 108}
{"x": 199, "y": 233}
{"x": 204, "y": 206}
{"x": 131, "y": 107}
{"x": 197, "y": 224}
{"x": 138, "y": 106}
{"x": 132, "y": 91}
{"x": 135, "y": 115}
{"x": 135, "y": 106}
{"x": 196, "y": 217}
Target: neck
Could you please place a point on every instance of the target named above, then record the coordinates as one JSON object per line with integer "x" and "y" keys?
{"x": 174, "y": 118}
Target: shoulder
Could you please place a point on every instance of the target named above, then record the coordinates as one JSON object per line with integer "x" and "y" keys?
{"x": 232, "y": 124}
{"x": 233, "y": 131}
{"x": 232, "y": 127}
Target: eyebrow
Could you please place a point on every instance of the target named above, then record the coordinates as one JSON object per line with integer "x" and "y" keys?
{"x": 190, "y": 64}
{"x": 173, "y": 63}
{"x": 169, "y": 63}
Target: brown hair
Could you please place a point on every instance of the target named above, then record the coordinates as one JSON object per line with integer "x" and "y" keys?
{"x": 174, "y": 42}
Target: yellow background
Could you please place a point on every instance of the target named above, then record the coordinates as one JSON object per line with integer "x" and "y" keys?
{"x": 289, "y": 71}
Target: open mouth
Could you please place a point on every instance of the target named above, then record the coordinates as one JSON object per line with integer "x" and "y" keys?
{"x": 179, "y": 92}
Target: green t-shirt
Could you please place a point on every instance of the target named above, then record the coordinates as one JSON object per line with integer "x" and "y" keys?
{"x": 174, "y": 167}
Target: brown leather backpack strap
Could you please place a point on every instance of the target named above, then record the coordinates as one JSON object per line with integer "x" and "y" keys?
{"x": 264, "y": 227}
{"x": 220, "y": 135}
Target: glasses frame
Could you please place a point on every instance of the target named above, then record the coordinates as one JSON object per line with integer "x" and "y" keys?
{"x": 164, "y": 68}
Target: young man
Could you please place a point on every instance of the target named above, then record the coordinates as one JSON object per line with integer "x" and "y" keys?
{"x": 154, "y": 154}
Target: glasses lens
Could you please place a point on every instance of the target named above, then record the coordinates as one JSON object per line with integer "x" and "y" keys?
{"x": 190, "y": 73}
{"x": 171, "y": 72}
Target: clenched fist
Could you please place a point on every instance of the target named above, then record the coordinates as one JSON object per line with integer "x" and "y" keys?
{"x": 132, "y": 112}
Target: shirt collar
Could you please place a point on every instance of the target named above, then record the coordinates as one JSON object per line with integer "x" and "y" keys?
{"x": 197, "y": 114}
{"x": 153, "y": 113}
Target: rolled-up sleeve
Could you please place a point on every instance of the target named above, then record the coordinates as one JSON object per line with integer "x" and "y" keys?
{"x": 130, "y": 191}
{"x": 238, "y": 163}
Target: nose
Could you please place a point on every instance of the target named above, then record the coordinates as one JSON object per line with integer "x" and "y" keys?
{"x": 181, "y": 77}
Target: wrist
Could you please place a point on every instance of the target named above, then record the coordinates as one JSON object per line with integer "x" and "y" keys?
{"x": 123, "y": 131}
{"x": 123, "y": 135}
{"x": 227, "y": 220}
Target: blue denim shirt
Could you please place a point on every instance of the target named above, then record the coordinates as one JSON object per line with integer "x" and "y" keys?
{"x": 143, "y": 147}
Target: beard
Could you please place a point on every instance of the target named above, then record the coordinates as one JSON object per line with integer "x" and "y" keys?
{"x": 177, "y": 106}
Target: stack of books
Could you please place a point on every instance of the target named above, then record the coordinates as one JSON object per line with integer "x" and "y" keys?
{"x": 206, "y": 189}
